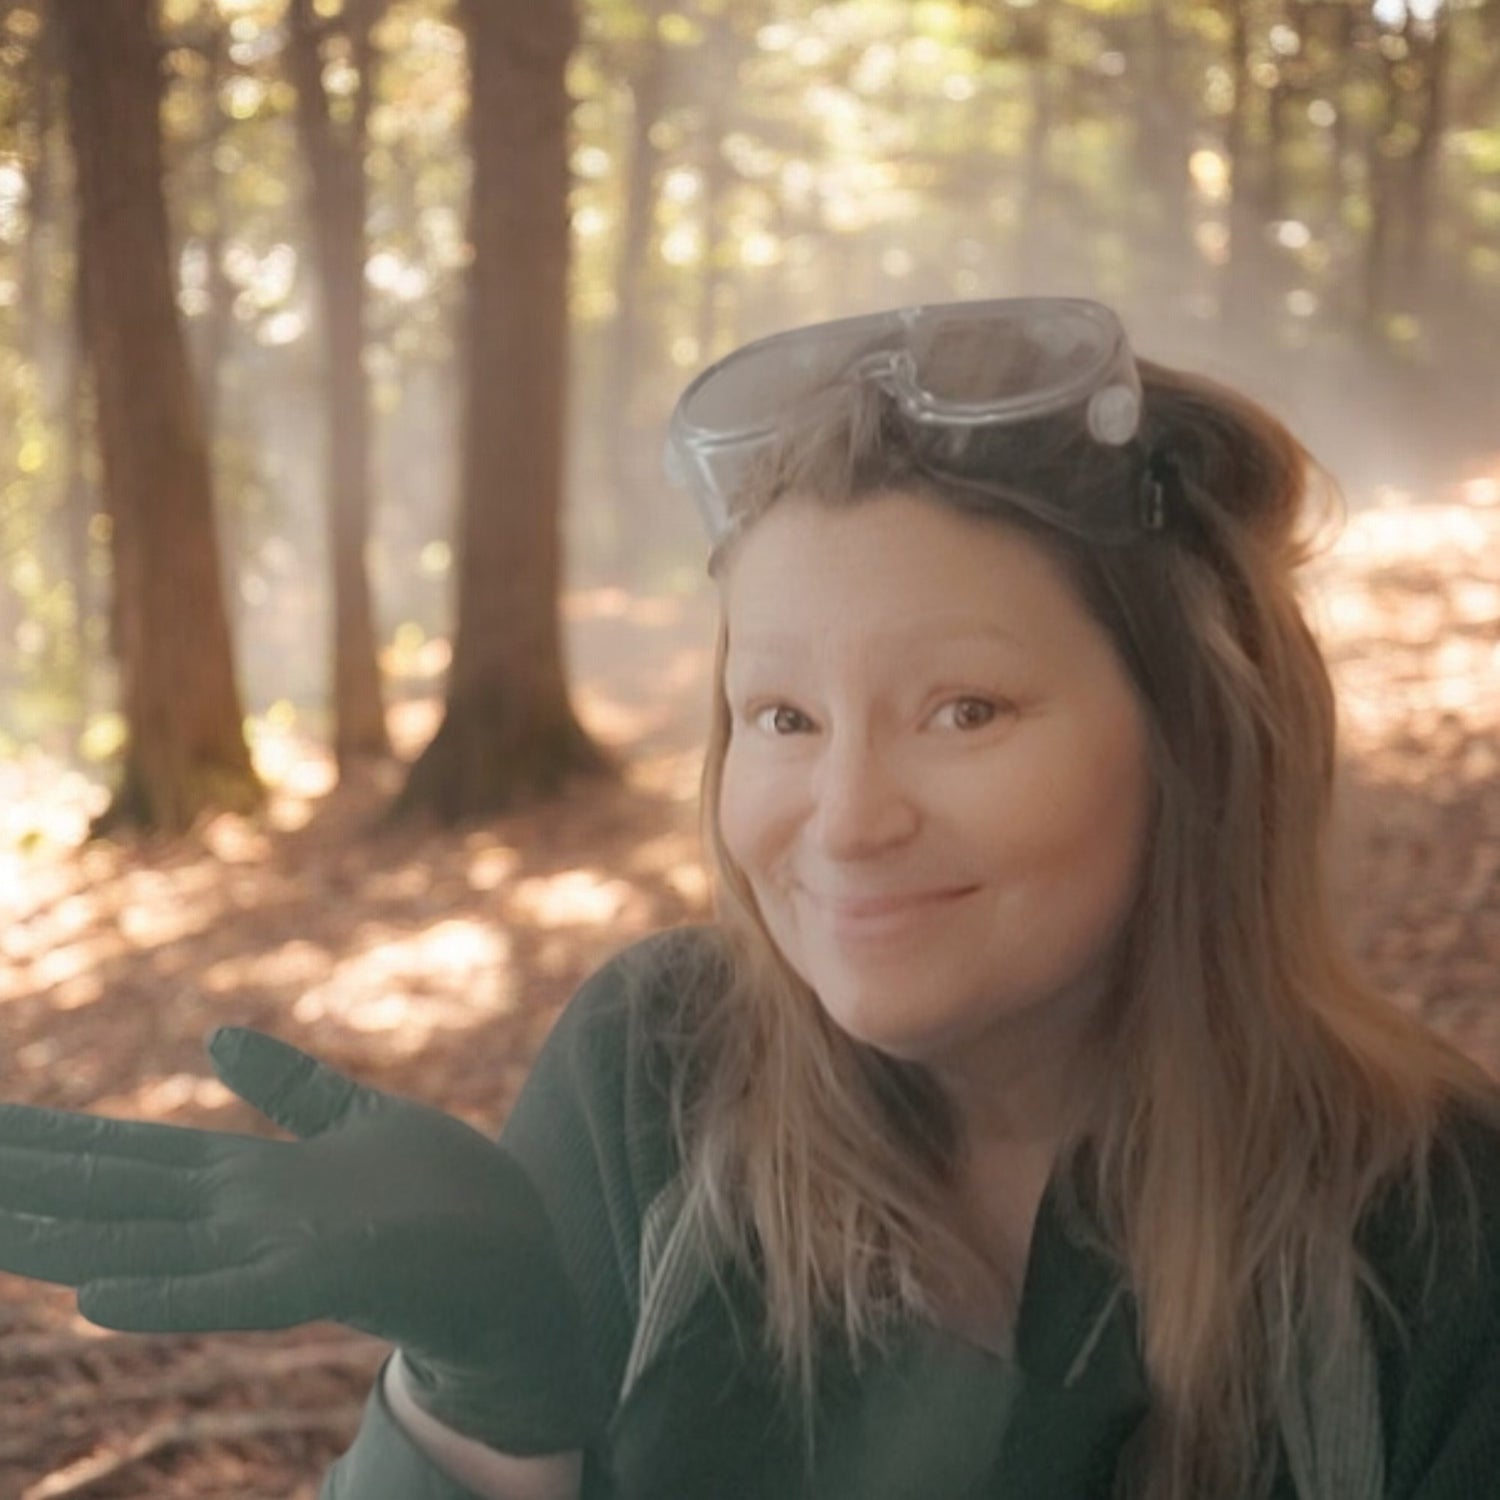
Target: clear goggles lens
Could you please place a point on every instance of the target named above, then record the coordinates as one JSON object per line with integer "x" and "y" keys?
{"x": 945, "y": 365}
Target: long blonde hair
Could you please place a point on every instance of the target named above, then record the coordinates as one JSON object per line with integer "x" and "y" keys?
{"x": 1262, "y": 1092}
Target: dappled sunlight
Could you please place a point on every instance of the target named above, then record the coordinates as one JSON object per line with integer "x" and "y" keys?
{"x": 290, "y": 965}
{"x": 67, "y": 975}
{"x": 1407, "y": 605}
{"x": 289, "y": 814}
{"x": 490, "y": 866}
{"x": 77, "y": 989}
{"x": 1405, "y": 532}
{"x": 673, "y": 776}
{"x": 163, "y": 916}
{"x": 44, "y": 806}
{"x": 674, "y": 858}
{"x": 289, "y": 761}
{"x": 576, "y": 898}
{"x": 615, "y": 723}
{"x": 234, "y": 840}
{"x": 402, "y": 886}
{"x": 412, "y": 724}
{"x": 408, "y": 986}
{"x": 173, "y": 1094}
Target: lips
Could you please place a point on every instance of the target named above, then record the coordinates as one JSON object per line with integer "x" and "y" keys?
{"x": 856, "y": 907}
{"x": 887, "y": 917}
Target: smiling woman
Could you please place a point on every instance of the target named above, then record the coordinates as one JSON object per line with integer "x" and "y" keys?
{"x": 1019, "y": 1127}
{"x": 936, "y": 785}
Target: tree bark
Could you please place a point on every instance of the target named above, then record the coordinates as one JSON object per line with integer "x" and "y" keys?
{"x": 1033, "y": 240}
{"x": 508, "y": 730}
{"x": 1242, "y": 270}
{"x": 1163, "y": 139}
{"x": 337, "y": 198}
{"x": 1425, "y": 166}
{"x": 49, "y": 343}
{"x": 186, "y": 752}
{"x": 714, "y": 279}
{"x": 633, "y": 487}
{"x": 216, "y": 325}
{"x": 1381, "y": 172}
{"x": 1342, "y": 300}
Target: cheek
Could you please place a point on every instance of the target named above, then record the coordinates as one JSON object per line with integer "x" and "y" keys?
{"x": 750, "y": 812}
{"x": 1079, "y": 816}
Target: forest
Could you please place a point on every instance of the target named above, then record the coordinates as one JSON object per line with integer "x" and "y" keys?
{"x": 354, "y": 648}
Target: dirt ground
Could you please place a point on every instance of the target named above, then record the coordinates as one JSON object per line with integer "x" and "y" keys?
{"x": 433, "y": 964}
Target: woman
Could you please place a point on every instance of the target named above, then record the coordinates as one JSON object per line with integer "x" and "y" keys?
{"x": 1019, "y": 1128}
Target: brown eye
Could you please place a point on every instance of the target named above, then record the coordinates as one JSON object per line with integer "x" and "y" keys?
{"x": 969, "y": 713}
{"x": 781, "y": 719}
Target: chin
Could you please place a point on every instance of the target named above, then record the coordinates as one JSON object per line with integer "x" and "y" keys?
{"x": 897, "y": 1024}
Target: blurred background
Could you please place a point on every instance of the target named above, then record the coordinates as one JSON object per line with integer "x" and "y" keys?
{"x": 342, "y": 599}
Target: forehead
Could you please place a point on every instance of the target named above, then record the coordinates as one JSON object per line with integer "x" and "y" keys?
{"x": 892, "y": 568}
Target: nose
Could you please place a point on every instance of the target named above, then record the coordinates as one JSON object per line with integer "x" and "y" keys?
{"x": 862, "y": 803}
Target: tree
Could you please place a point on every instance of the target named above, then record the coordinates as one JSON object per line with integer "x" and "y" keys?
{"x": 334, "y": 150}
{"x": 1244, "y": 270}
{"x": 186, "y": 751}
{"x": 508, "y": 728}
{"x": 641, "y": 65}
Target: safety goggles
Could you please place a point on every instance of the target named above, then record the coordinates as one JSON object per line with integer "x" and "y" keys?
{"x": 958, "y": 368}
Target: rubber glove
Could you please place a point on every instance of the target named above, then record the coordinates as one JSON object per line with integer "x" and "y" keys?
{"x": 384, "y": 1215}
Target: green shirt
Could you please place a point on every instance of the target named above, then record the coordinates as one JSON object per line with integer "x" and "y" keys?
{"x": 701, "y": 1415}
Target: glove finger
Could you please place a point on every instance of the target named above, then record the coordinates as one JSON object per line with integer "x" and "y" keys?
{"x": 71, "y": 1253}
{"x": 284, "y": 1083}
{"x": 88, "y": 1186}
{"x": 228, "y": 1300}
{"x": 64, "y": 1130}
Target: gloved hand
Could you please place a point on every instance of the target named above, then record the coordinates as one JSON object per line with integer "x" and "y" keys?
{"x": 385, "y": 1215}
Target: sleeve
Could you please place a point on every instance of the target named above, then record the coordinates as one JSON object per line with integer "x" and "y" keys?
{"x": 592, "y": 1129}
{"x": 1443, "y": 1439}
{"x": 384, "y": 1463}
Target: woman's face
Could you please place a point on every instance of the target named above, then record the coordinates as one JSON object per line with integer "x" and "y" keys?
{"x": 936, "y": 781}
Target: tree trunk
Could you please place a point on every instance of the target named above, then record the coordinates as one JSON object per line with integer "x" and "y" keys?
{"x": 49, "y": 345}
{"x": 1426, "y": 161}
{"x": 35, "y": 104}
{"x": 713, "y": 275}
{"x": 216, "y": 324}
{"x": 1033, "y": 238}
{"x": 634, "y": 484}
{"x": 1376, "y": 271}
{"x": 79, "y": 502}
{"x": 1341, "y": 299}
{"x": 1242, "y": 271}
{"x": 1163, "y": 140}
{"x": 211, "y": 334}
{"x": 337, "y": 195}
{"x": 508, "y": 730}
{"x": 186, "y": 752}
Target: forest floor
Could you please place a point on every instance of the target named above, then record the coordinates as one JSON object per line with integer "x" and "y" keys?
{"x": 432, "y": 964}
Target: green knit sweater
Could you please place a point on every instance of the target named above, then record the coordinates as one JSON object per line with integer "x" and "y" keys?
{"x": 1413, "y": 1416}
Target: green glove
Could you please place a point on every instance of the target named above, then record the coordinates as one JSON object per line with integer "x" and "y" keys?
{"x": 385, "y": 1215}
